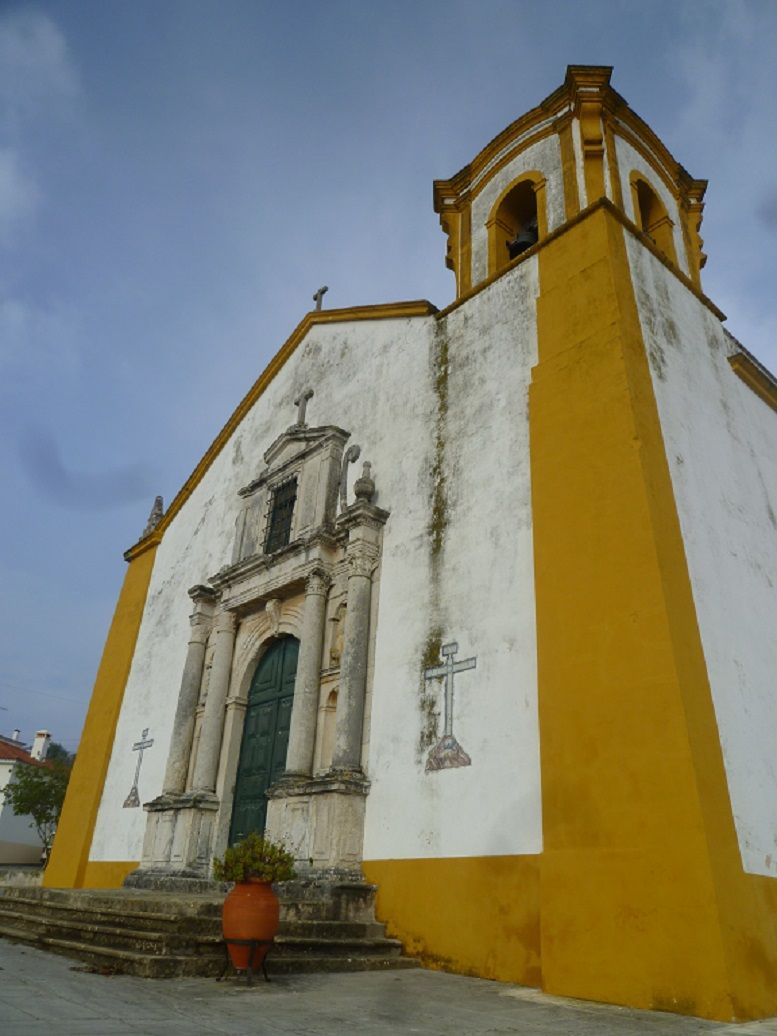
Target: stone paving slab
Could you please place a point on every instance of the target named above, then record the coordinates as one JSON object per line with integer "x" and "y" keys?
{"x": 41, "y": 993}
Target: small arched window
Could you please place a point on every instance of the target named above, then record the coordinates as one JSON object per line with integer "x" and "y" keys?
{"x": 517, "y": 222}
{"x": 652, "y": 218}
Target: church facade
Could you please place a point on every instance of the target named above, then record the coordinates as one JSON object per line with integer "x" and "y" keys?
{"x": 480, "y": 603}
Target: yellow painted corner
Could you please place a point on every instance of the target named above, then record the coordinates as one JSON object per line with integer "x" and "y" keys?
{"x": 70, "y": 853}
{"x": 643, "y": 898}
{"x": 470, "y": 915}
{"x": 107, "y": 874}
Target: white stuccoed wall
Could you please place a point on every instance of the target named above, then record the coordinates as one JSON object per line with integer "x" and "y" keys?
{"x": 631, "y": 161}
{"x": 484, "y": 601}
{"x": 377, "y": 379}
{"x": 544, "y": 157}
{"x": 721, "y": 443}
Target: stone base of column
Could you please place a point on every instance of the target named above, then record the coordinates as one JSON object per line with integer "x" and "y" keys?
{"x": 179, "y": 841}
{"x": 321, "y": 820}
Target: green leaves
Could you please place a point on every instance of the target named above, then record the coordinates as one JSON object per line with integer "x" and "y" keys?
{"x": 254, "y": 857}
{"x": 38, "y": 792}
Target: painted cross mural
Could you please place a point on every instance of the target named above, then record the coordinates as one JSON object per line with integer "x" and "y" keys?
{"x": 448, "y": 753}
{"x": 133, "y": 799}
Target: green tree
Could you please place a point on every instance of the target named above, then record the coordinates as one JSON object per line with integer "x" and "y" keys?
{"x": 38, "y": 792}
{"x": 59, "y": 754}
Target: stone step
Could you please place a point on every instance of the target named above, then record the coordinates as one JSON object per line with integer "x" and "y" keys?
{"x": 89, "y": 933}
{"x": 287, "y": 946}
{"x": 149, "y": 965}
{"x": 333, "y": 929}
{"x": 92, "y": 934}
{"x": 112, "y": 959}
{"x": 156, "y": 935}
{"x": 86, "y": 921}
{"x": 116, "y": 902}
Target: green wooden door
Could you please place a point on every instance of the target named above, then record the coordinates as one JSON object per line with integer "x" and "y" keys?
{"x": 265, "y": 736}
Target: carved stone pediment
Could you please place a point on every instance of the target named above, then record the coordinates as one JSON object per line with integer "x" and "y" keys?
{"x": 309, "y": 460}
{"x": 296, "y": 443}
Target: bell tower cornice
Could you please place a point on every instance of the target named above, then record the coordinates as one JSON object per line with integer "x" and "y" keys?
{"x": 585, "y": 143}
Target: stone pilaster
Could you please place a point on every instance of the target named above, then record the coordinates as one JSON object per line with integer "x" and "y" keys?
{"x": 209, "y": 748}
{"x": 363, "y": 523}
{"x": 201, "y": 621}
{"x": 353, "y": 664}
{"x": 304, "y": 712}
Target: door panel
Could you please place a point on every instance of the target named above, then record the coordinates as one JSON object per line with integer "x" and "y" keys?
{"x": 265, "y": 736}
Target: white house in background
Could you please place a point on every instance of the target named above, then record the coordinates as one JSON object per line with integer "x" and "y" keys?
{"x": 19, "y": 841}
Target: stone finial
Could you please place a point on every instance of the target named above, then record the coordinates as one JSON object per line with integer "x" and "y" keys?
{"x": 318, "y": 298}
{"x": 364, "y": 486}
{"x": 350, "y": 456}
{"x": 155, "y": 517}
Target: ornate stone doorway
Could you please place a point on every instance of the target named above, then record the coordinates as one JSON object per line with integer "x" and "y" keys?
{"x": 265, "y": 736}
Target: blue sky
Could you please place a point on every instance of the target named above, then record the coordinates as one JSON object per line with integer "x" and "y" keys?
{"x": 177, "y": 178}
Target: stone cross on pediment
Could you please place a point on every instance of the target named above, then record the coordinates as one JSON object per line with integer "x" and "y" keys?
{"x": 448, "y": 753}
{"x": 301, "y": 403}
{"x": 133, "y": 799}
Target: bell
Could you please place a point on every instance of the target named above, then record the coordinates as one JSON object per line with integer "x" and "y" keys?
{"x": 525, "y": 238}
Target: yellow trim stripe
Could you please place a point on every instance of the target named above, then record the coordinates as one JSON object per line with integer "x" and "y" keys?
{"x": 70, "y": 853}
{"x": 387, "y": 311}
{"x": 757, "y": 378}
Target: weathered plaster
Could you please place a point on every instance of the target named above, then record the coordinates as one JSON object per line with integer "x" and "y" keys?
{"x": 579, "y": 166}
{"x": 482, "y": 596}
{"x": 631, "y": 161}
{"x": 543, "y": 157}
{"x": 364, "y": 375}
{"x": 721, "y": 444}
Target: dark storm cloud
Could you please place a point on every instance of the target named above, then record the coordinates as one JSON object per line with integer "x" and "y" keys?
{"x": 41, "y": 458}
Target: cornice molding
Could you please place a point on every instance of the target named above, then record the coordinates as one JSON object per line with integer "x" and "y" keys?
{"x": 613, "y": 210}
{"x": 757, "y": 377}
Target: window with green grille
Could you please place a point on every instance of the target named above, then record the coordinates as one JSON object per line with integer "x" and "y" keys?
{"x": 281, "y": 511}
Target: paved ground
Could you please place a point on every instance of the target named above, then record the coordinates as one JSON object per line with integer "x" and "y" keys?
{"x": 41, "y": 994}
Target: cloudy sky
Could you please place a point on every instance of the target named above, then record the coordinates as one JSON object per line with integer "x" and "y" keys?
{"x": 177, "y": 178}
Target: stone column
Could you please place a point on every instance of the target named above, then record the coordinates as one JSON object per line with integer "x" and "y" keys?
{"x": 360, "y": 557}
{"x": 304, "y": 710}
{"x": 183, "y": 726}
{"x": 209, "y": 749}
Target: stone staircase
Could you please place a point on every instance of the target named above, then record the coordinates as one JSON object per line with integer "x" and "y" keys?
{"x": 325, "y": 926}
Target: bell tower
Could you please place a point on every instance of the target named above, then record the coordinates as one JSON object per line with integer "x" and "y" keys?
{"x": 581, "y": 144}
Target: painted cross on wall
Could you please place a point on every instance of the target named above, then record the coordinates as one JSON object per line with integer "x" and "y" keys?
{"x": 448, "y": 753}
{"x": 133, "y": 799}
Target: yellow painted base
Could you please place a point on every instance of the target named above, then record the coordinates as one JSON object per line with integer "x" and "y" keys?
{"x": 107, "y": 874}
{"x": 70, "y": 853}
{"x": 474, "y": 916}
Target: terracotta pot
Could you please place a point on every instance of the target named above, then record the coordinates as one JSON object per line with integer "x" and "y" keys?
{"x": 251, "y": 911}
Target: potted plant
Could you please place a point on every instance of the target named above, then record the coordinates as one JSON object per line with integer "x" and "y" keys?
{"x": 251, "y": 910}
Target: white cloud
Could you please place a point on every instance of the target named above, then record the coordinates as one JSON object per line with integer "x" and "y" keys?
{"x": 36, "y": 67}
{"x": 19, "y": 195}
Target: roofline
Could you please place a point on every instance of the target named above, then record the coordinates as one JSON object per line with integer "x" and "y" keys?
{"x": 563, "y": 103}
{"x": 381, "y": 311}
